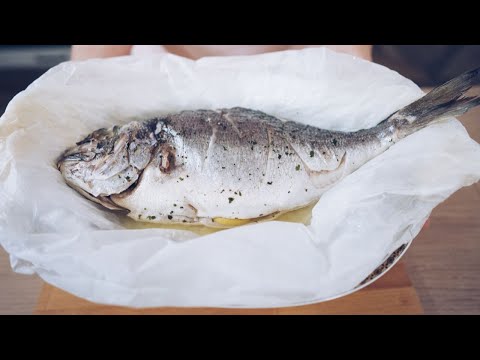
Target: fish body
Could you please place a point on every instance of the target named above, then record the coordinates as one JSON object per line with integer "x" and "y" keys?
{"x": 227, "y": 166}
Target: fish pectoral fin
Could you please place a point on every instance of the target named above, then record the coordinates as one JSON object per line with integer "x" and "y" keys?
{"x": 340, "y": 166}
{"x": 324, "y": 178}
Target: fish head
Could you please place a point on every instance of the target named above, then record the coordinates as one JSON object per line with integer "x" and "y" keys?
{"x": 108, "y": 161}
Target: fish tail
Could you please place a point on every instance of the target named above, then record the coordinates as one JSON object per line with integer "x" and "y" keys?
{"x": 445, "y": 101}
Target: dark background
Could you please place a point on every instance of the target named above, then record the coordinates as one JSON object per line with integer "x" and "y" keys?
{"x": 426, "y": 65}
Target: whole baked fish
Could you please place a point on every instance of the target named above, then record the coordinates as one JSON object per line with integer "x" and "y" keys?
{"x": 229, "y": 166}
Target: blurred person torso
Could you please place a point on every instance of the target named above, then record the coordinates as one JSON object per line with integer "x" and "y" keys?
{"x": 198, "y": 51}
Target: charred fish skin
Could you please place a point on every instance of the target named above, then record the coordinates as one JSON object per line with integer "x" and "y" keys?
{"x": 197, "y": 166}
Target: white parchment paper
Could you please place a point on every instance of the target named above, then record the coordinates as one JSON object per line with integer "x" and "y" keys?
{"x": 49, "y": 229}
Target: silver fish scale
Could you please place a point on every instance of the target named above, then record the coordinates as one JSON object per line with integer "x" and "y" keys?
{"x": 318, "y": 149}
{"x": 240, "y": 159}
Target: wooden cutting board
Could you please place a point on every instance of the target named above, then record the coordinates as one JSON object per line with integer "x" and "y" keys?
{"x": 391, "y": 294}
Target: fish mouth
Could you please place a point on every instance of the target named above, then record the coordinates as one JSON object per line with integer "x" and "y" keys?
{"x": 69, "y": 155}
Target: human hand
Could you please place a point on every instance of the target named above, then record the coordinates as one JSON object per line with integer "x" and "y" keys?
{"x": 360, "y": 51}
